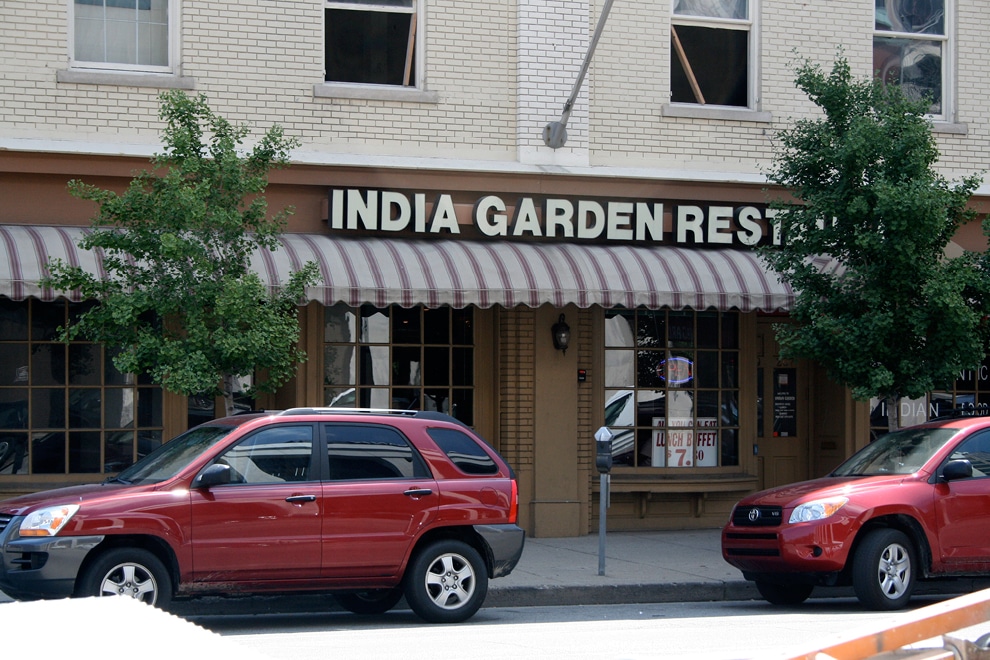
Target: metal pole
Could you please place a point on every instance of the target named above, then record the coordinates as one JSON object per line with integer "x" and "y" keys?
{"x": 603, "y": 497}
{"x": 555, "y": 133}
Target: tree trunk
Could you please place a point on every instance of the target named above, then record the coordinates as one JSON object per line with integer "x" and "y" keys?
{"x": 228, "y": 393}
{"x": 893, "y": 413}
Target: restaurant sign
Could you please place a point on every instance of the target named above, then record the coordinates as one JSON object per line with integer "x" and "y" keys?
{"x": 581, "y": 219}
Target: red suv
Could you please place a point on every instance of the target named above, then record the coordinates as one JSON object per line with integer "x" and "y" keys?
{"x": 369, "y": 505}
{"x": 913, "y": 505}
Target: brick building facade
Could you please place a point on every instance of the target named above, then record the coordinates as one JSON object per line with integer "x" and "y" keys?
{"x": 444, "y": 103}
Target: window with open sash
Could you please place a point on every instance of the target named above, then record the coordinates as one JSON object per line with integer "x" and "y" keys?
{"x": 372, "y": 42}
{"x": 711, "y": 46}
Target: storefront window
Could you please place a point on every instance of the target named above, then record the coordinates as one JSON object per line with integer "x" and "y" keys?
{"x": 64, "y": 408}
{"x": 969, "y": 394}
{"x": 672, "y": 388}
{"x": 392, "y": 357}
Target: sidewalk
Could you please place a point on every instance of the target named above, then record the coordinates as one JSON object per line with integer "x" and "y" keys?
{"x": 639, "y": 567}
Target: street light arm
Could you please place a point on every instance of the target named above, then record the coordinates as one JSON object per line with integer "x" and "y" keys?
{"x": 555, "y": 133}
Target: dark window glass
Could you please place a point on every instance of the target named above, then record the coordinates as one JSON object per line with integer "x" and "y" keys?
{"x": 357, "y": 452}
{"x": 463, "y": 451}
{"x": 273, "y": 455}
{"x": 66, "y": 397}
{"x": 370, "y": 47}
{"x": 716, "y": 59}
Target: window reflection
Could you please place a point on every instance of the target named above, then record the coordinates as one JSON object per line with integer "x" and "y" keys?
{"x": 62, "y": 406}
{"x": 681, "y": 406}
{"x": 414, "y": 358}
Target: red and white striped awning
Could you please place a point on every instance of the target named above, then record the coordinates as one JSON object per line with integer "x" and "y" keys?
{"x": 407, "y": 272}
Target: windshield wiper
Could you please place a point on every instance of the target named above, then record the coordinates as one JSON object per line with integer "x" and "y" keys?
{"x": 116, "y": 480}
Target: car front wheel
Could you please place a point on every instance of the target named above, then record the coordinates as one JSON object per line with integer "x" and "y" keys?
{"x": 446, "y": 582}
{"x": 128, "y": 572}
{"x": 883, "y": 570}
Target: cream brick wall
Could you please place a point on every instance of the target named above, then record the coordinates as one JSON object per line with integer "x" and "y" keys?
{"x": 500, "y": 72}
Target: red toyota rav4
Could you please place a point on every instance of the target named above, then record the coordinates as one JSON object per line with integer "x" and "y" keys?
{"x": 369, "y": 505}
{"x": 913, "y": 505}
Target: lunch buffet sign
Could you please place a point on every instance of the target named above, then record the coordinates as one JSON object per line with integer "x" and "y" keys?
{"x": 548, "y": 217}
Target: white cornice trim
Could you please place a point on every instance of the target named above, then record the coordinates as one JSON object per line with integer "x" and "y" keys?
{"x": 327, "y": 159}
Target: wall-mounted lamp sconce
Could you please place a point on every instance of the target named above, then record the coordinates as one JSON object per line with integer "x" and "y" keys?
{"x": 561, "y": 334}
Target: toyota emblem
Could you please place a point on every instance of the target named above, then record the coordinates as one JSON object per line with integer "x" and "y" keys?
{"x": 754, "y": 515}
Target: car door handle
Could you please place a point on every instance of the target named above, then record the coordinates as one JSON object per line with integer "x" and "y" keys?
{"x": 299, "y": 499}
{"x": 418, "y": 492}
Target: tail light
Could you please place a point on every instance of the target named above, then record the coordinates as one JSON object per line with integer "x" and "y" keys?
{"x": 514, "y": 502}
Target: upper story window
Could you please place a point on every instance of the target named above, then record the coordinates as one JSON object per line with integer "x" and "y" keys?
{"x": 711, "y": 53}
{"x": 372, "y": 42}
{"x": 910, "y": 41}
{"x": 130, "y": 35}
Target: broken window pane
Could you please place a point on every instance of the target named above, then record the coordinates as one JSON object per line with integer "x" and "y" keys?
{"x": 926, "y": 17}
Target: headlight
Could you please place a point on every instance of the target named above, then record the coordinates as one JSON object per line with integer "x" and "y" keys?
{"x": 47, "y": 522}
{"x": 817, "y": 510}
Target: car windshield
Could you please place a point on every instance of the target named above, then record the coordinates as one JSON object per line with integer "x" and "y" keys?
{"x": 166, "y": 461}
{"x": 899, "y": 452}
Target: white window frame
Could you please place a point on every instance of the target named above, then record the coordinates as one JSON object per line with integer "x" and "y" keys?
{"x": 417, "y": 92}
{"x": 750, "y": 24}
{"x": 120, "y": 67}
{"x": 948, "y": 41}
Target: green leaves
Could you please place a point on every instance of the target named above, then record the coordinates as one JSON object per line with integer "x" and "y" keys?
{"x": 179, "y": 298}
{"x": 897, "y": 318}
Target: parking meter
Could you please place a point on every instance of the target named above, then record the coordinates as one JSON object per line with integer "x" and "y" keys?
{"x": 603, "y": 450}
{"x": 603, "y": 461}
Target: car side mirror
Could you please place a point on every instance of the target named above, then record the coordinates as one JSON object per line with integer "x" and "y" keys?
{"x": 217, "y": 474}
{"x": 957, "y": 469}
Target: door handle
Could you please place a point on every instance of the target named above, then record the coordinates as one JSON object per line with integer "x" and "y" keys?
{"x": 418, "y": 492}
{"x": 299, "y": 499}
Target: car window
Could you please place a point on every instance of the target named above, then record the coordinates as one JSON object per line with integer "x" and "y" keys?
{"x": 369, "y": 451}
{"x": 273, "y": 455}
{"x": 463, "y": 451}
{"x": 169, "y": 459}
{"x": 899, "y": 452}
{"x": 976, "y": 449}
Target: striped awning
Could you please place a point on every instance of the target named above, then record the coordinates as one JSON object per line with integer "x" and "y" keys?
{"x": 407, "y": 272}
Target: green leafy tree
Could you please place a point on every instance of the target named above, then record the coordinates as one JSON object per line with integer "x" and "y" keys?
{"x": 179, "y": 300}
{"x": 891, "y": 316}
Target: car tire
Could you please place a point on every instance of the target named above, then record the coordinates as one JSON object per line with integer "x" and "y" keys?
{"x": 883, "y": 570}
{"x": 376, "y": 601}
{"x": 128, "y": 572}
{"x": 446, "y": 582}
{"x": 784, "y": 594}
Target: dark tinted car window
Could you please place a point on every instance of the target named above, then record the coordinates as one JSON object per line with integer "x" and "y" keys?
{"x": 273, "y": 455}
{"x": 976, "y": 449}
{"x": 463, "y": 451}
{"x": 365, "y": 451}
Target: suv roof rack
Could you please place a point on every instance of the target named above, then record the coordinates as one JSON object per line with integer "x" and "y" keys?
{"x": 347, "y": 411}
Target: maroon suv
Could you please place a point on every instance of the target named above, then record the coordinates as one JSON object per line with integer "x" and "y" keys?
{"x": 369, "y": 505}
{"x": 913, "y": 505}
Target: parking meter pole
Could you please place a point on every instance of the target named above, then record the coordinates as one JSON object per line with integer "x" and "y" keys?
{"x": 603, "y": 461}
{"x": 603, "y": 496}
